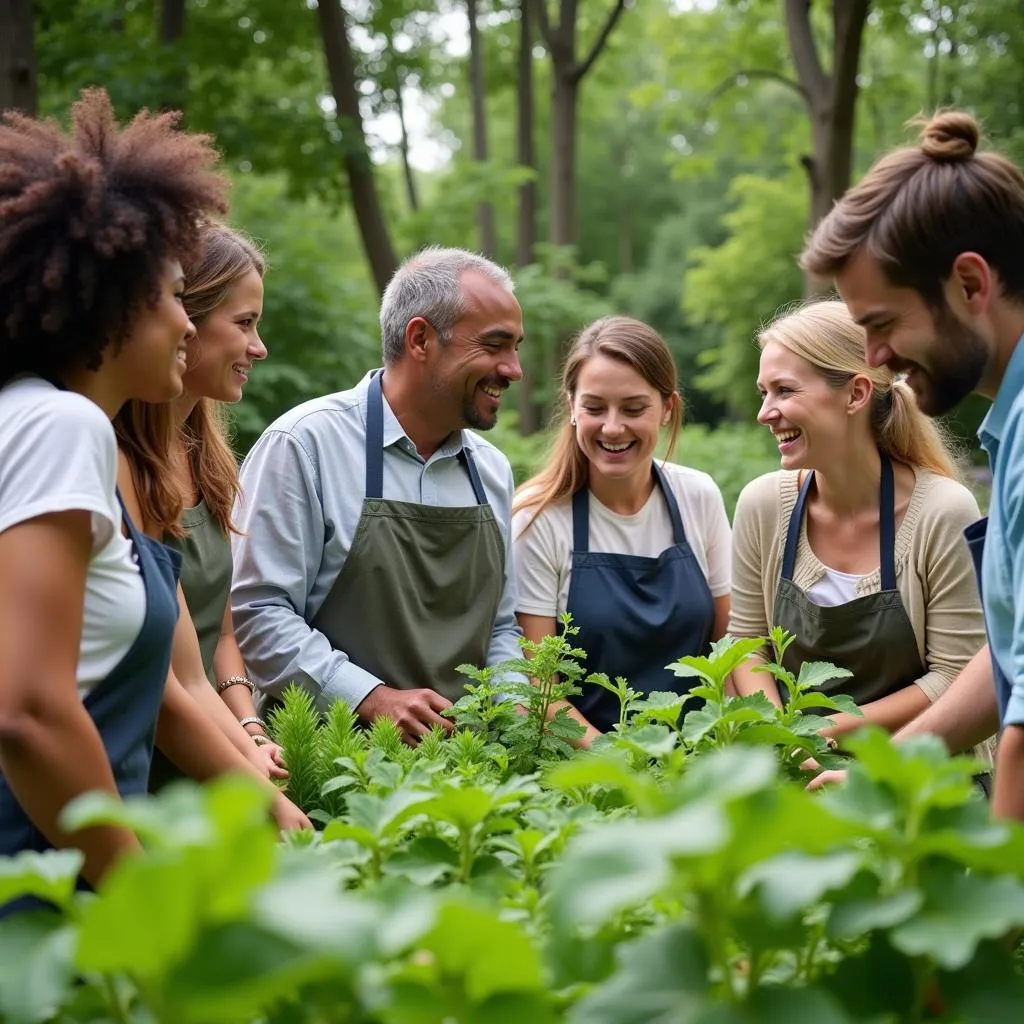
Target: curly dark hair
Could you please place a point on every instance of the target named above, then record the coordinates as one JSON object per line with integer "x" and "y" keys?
{"x": 88, "y": 220}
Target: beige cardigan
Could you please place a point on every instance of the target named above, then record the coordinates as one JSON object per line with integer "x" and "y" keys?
{"x": 934, "y": 573}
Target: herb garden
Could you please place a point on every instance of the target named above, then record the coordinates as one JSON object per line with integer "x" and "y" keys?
{"x": 676, "y": 872}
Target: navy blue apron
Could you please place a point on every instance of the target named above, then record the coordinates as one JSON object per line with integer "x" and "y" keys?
{"x": 635, "y": 614}
{"x": 124, "y": 705}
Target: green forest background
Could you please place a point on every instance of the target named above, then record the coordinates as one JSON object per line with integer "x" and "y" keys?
{"x": 660, "y": 158}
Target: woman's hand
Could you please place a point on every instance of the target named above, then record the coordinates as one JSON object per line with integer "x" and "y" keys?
{"x": 287, "y": 815}
{"x": 269, "y": 758}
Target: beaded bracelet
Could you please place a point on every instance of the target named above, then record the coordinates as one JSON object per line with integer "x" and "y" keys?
{"x": 252, "y": 720}
{"x": 236, "y": 681}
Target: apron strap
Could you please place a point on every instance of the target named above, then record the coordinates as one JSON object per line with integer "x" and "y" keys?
{"x": 375, "y": 447}
{"x": 374, "y": 438}
{"x": 678, "y": 533}
{"x": 886, "y": 527}
{"x": 581, "y": 520}
{"x": 467, "y": 460}
{"x": 793, "y": 531}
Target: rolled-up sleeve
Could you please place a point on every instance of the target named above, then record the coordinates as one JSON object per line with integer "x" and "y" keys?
{"x": 276, "y": 560}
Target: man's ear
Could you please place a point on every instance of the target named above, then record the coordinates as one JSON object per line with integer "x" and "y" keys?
{"x": 418, "y": 335}
{"x": 971, "y": 285}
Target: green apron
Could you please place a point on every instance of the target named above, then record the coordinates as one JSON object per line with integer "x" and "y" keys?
{"x": 419, "y": 591}
{"x": 872, "y": 635}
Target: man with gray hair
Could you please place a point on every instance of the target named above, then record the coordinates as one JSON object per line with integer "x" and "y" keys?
{"x": 374, "y": 553}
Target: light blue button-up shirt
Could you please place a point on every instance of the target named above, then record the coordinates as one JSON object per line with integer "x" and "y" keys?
{"x": 1002, "y": 436}
{"x": 303, "y": 485}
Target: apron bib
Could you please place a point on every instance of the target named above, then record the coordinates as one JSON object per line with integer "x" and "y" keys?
{"x": 871, "y": 636}
{"x": 635, "y": 614}
{"x": 419, "y": 591}
{"x": 125, "y": 705}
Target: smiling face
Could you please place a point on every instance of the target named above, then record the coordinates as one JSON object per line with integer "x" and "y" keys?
{"x": 943, "y": 356}
{"x": 471, "y": 373}
{"x": 809, "y": 420}
{"x": 153, "y": 360}
{"x": 618, "y": 417}
{"x": 227, "y": 343}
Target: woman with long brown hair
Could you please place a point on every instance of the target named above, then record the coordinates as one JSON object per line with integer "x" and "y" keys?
{"x": 185, "y": 475}
{"x": 636, "y": 550}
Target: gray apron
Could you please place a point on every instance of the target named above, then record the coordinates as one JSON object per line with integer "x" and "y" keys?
{"x": 419, "y": 591}
{"x": 872, "y": 635}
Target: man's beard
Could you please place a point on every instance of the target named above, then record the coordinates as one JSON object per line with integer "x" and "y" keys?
{"x": 957, "y": 362}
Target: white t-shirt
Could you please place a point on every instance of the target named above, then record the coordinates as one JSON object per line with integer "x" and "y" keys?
{"x": 543, "y": 553}
{"x": 834, "y": 588}
{"x": 58, "y": 453}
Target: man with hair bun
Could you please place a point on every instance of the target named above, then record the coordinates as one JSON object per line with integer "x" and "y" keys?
{"x": 926, "y": 251}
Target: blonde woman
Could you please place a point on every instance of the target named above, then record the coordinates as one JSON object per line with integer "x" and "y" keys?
{"x": 856, "y": 545}
{"x": 636, "y": 550}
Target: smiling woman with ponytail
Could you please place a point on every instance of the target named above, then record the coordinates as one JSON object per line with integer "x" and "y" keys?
{"x": 855, "y": 545}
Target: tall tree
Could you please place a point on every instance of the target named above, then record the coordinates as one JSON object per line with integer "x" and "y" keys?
{"x": 478, "y": 93}
{"x": 568, "y": 72}
{"x": 366, "y": 204}
{"x": 831, "y": 96}
{"x": 18, "y": 79}
{"x": 171, "y": 33}
{"x": 526, "y": 219}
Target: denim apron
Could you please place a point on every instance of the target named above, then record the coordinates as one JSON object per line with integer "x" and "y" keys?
{"x": 635, "y": 614}
{"x": 419, "y": 591}
{"x": 124, "y": 705}
{"x": 871, "y": 635}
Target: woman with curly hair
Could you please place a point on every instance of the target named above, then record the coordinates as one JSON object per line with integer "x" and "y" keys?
{"x": 93, "y": 225}
{"x": 186, "y": 478}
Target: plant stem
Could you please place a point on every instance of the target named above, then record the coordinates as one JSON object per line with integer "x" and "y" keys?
{"x": 118, "y": 1010}
{"x": 466, "y": 857}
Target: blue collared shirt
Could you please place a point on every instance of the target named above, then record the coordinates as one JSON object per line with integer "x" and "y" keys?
{"x": 303, "y": 485}
{"x": 1002, "y": 436}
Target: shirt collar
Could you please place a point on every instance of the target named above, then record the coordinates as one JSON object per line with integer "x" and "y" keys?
{"x": 991, "y": 430}
{"x": 394, "y": 434}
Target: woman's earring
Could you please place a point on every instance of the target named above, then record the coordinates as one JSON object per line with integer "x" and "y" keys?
{"x": 572, "y": 423}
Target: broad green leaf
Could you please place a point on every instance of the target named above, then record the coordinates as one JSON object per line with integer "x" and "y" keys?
{"x": 731, "y": 772}
{"x": 960, "y": 910}
{"x": 817, "y": 673}
{"x": 117, "y": 930}
{"x": 383, "y": 816}
{"x": 864, "y": 908}
{"x": 50, "y": 875}
{"x": 878, "y": 984}
{"x": 491, "y": 955}
{"x": 988, "y": 989}
{"x": 697, "y": 724}
{"x": 619, "y": 864}
{"x": 37, "y": 954}
{"x": 661, "y": 978}
{"x": 235, "y": 971}
{"x": 652, "y": 740}
{"x": 425, "y": 861}
{"x": 789, "y": 1005}
{"x": 791, "y": 882}
{"x": 841, "y": 702}
{"x": 341, "y": 830}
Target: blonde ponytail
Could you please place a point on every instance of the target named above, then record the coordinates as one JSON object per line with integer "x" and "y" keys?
{"x": 904, "y": 433}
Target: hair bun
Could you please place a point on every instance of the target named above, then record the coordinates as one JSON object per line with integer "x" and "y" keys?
{"x": 951, "y": 136}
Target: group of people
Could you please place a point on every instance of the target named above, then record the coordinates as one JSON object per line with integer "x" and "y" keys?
{"x": 155, "y": 600}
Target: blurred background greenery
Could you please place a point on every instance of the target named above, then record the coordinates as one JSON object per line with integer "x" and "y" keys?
{"x": 662, "y": 158}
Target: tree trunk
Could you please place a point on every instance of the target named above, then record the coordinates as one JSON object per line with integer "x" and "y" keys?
{"x": 567, "y": 74}
{"x": 831, "y": 101}
{"x": 526, "y": 227}
{"x": 18, "y": 82}
{"x": 174, "y": 90}
{"x": 410, "y": 180}
{"x": 478, "y": 95}
{"x": 366, "y": 204}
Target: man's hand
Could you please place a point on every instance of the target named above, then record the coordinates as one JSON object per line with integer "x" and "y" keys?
{"x": 415, "y": 712}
